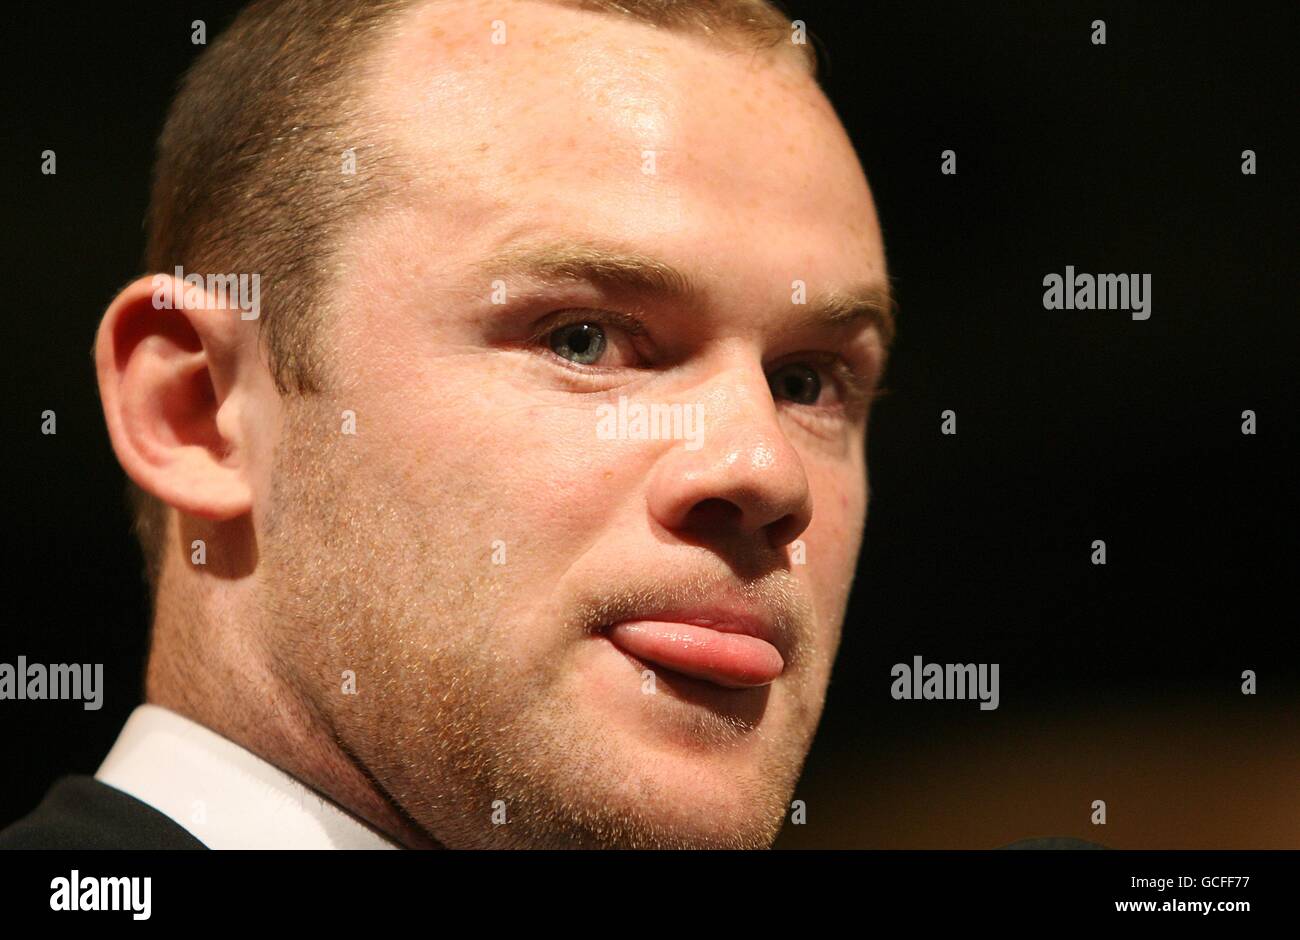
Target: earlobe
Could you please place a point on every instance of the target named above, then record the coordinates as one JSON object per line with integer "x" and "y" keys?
{"x": 165, "y": 373}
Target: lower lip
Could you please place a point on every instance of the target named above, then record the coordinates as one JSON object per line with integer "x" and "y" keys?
{"x": 731, "y": 660}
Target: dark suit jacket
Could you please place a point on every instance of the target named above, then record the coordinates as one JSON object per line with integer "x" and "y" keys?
{"x": 82, "y": 813}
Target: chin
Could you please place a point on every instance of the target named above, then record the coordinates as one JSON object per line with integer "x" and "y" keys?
{"x": 690, "y": 825}
{"x": 675, "y": 790}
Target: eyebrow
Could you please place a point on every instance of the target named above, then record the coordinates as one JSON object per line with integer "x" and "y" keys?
{"x": 867, "y": 304}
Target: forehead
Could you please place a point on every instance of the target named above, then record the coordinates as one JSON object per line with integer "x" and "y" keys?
{"x": 599, "y": 123}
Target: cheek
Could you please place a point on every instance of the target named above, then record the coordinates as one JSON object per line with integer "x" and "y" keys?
{"x": 505, "y": 465}
{"x": 839, "y": 509}
{"x": 834, "y": 537}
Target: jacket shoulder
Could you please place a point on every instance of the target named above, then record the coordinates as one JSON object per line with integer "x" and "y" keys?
{"x": 79, "y": 812}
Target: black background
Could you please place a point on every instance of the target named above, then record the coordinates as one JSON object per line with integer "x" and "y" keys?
{"x": 1073, "y": 425}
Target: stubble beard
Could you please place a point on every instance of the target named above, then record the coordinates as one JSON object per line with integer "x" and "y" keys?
{"x": 444, "y": 723}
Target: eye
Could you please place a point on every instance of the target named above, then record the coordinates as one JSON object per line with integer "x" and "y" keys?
{"x": 592, "y": 340}
{"x": 796, "y": 382}
{"x": 583, "y": 343}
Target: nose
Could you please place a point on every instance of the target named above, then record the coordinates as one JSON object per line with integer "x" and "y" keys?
{"x": 744, "y": 480}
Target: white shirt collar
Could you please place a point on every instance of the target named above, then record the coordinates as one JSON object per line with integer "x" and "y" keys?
{"x": 226, "y": 796}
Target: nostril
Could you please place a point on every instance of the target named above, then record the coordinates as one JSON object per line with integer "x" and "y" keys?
{"x": 786, "y": 529}
{"x": 717, "y": 516}
{"x": 714, "y": 515}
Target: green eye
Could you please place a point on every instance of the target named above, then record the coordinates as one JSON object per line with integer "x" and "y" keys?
{"x": 582, "y": 343}
{"x": 796, "y": 383}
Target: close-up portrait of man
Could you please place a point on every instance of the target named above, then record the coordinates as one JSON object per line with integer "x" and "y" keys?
{"x": 520, "y": 424}
{"x": 523, "y": 507}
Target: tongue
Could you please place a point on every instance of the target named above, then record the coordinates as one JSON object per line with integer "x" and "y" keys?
{"x": 732, "y": 660}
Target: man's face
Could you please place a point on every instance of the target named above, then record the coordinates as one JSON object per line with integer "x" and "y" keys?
{"x": 467, "y": 550}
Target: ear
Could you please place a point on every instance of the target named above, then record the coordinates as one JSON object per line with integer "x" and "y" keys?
{"x": 167, "y": 365}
